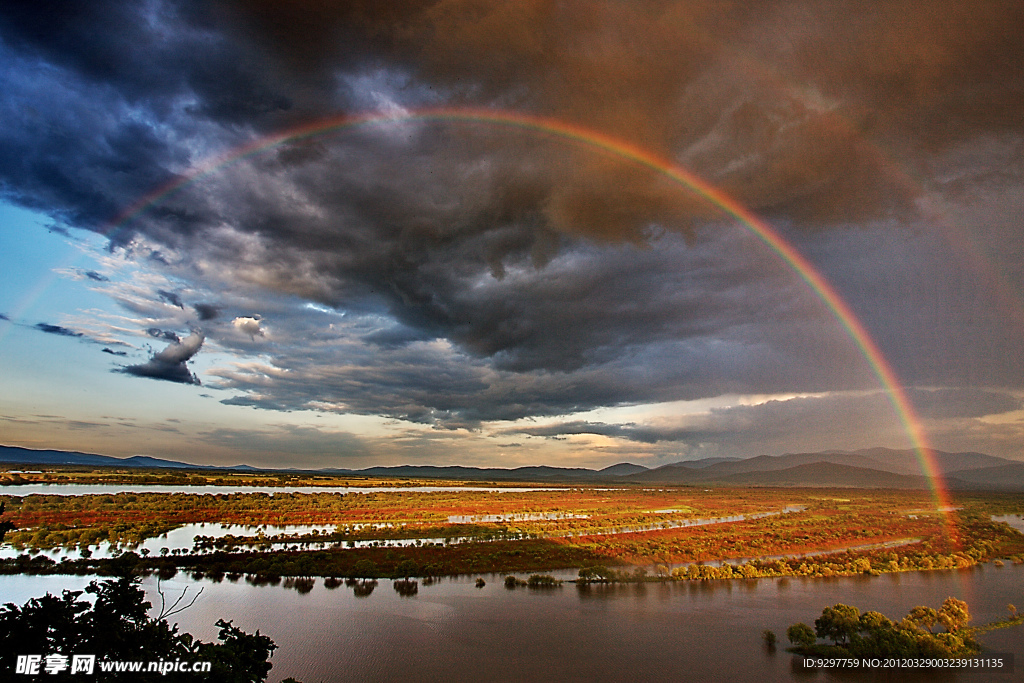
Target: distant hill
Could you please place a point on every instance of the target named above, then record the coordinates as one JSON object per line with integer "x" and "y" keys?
{"x": 875, "y": 468}
{"x": 768, "y": 463}
{"x": 14, "y": 454}
{"x": 704, "y": 462}
{"x": 867, "y": 468}
{"x": 829, "y": 474}
{"x": 622, "y": 469}
{"x": 1005, "y": 477}
{"x": 906, "y": 461}
{"x": 30, "y": 456}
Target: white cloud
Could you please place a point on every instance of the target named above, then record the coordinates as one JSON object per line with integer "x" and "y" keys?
{"x": 249, "y": 326}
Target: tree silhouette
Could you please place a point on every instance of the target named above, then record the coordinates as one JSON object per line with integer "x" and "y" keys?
{"x": 116, "y": 627}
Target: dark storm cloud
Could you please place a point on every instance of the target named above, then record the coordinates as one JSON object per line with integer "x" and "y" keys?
{"x": 95, "y": 277}
{"x": 172, "y": 298}
{"x": 114, "y": 353}
{"x": 774, "y": 427}
{"x": 592, "y": 317}
{"x": 166, "y": 335}
{"x": 816, "y": 114}
{"x": 392, "y": 337}
{"x": 806, "y": 424}
{"x": 784, "y": 104}
{"x": 57, "y": 329}
{"x": 207, "y": 311}
{"x": 170, "y": 364}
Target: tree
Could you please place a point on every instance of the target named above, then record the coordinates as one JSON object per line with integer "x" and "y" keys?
{"x": 873, "y": 622}
{"x": 241, "y": 658}
{"x": 801, "y": 635}
{"x": 875, "y": 635}
{"x": 923, "y": 617}
{"x": 953, "y": 614}
{"x": 405, "y": 569}
{"x": 840, "y": 623}
{"x": 116, "y": 627}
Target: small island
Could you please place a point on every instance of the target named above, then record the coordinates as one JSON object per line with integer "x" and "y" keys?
{"x": 852, "y": 634}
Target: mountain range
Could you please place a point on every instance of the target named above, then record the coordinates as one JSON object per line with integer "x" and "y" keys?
{"x": 29, "y": 456}
{"x": 867, "y": 468}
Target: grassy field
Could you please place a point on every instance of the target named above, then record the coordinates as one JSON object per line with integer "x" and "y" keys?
{"x": 759, "y": 531}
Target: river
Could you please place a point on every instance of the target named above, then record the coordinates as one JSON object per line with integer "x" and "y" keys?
{"x": 453, "y": 631}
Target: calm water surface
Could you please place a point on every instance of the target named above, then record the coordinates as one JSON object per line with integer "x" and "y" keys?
{"x": 452, "y": 631}
{"x": 1016, "y": 521}
{"x": 182, "y": 538}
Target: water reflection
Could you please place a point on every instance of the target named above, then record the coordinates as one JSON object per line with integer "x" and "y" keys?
{"x": 450, "y": 630}
{"x": 514, "y": 517}
{"x": 173, "y": 542}
{"x": 1015, "y": 521}
{"x": 361, "y": 588}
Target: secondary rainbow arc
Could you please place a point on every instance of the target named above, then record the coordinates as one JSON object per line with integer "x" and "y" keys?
{"x": 622, "y": 149}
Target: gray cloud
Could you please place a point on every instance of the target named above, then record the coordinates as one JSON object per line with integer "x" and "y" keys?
{"x": 963, "y": 403}
{"x": 57, "y": 329}
{"x": 839, "y": 421}
{"x": 170, "y": 297}
{"x": 170, "y": 364}
{"x": 166, "y": 335}
{"x": 756, "y": 101}
{"x": 590, "y": 316}
{"x": 631, "y": 431}
{"x": 207, "y": 311}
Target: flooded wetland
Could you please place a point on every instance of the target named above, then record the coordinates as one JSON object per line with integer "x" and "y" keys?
{"x": 647, "y": 583}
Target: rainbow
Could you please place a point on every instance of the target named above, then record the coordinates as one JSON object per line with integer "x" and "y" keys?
{"x": 620, "y": 149}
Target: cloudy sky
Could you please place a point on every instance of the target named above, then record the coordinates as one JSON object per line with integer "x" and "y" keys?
{"x": 433, "y": 290}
